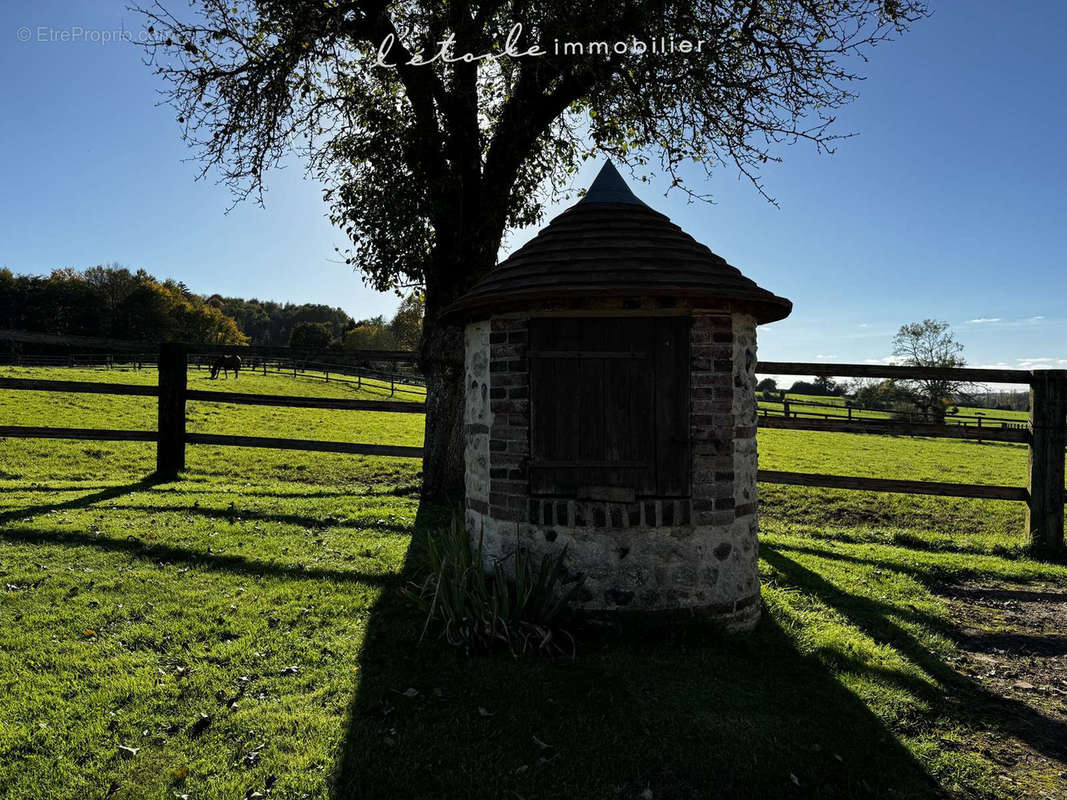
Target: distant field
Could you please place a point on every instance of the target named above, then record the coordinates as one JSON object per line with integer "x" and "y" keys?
{"x": 836, "y": 406}
{"x": 243, "y": 630}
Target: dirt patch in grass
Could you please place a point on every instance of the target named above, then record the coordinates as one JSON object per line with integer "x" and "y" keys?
{"x": 1012, "y": 641}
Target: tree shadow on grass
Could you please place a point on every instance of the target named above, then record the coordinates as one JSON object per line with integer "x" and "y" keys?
{"x": 682, "y": 712}
{"x": 960, "y": 698}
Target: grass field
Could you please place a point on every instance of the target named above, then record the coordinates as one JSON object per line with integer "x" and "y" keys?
{"x": 242, "y": 631}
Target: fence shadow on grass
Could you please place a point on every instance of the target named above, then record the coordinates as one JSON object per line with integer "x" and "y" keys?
{"x": 684, "y": 713}
{"x": 200, "y": 559}
{"x": 84, "y": 501}
{"x": 235, "y": 514}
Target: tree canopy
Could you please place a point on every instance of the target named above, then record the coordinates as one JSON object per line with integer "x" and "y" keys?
{"x": 113, "y": 302}
{"x": 930, "y": 343}
{"x": 310, "y": 336}
{"x": 433, "y": 156}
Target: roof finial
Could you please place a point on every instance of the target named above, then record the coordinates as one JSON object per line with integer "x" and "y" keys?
{"x": 609, "y": 187}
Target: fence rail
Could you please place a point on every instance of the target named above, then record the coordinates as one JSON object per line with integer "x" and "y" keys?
{"x": 94, "y": 434}
{"x": 315, "y": 445}
{"x": 975, "y": 490}
{"x": 341, "y": 404}
{"x": 78, "y": 387}
{"x": 359, "y": 374}
{"x": 894, "y": 428}
{"x": 960, "y": 374}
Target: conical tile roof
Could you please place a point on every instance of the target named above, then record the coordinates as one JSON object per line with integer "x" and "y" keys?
{"x": 610, "y": 244}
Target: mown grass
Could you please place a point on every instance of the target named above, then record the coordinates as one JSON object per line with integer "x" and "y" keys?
{"x": 916, "y": 520}
{"x": 242, "y": 630}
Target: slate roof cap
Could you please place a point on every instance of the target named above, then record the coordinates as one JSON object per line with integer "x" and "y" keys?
{"x": 610, "y": 244}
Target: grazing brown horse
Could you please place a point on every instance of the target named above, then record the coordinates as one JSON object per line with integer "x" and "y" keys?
{"x": 226, "y": 363}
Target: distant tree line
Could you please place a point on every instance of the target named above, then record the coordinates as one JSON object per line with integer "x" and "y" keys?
{"x": 110, "y": 301}
{"x": 311, "y": 326}
{"x": 820, "y": 387}
{"x": 113, "y": 302}
{"x": 269, "y": 323}
{"x": 298, "y": 326}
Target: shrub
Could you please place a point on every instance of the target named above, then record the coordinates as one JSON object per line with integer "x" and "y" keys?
{"x": 519, "y": 608}
{"x": 767, "y": 385}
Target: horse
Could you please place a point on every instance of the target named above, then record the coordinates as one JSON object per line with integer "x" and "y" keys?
{"x": 226, "y": 363}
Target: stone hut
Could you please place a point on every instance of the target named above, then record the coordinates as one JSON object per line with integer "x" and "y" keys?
{"x": 611, "y": 409}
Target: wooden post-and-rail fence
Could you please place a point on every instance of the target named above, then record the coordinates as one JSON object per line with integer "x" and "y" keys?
{"x": 173, "y": 387}
{"x": 174, "y": 392}
{"x": 171, "y": 436}
{"x": 1045, "y": 435}
{"x": 1048, "y": 409}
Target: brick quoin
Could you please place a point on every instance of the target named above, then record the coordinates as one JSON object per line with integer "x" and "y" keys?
{"x": 509, "y": 393}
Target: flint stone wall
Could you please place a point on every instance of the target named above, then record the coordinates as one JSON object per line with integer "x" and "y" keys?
{"x": 663, "y": 554}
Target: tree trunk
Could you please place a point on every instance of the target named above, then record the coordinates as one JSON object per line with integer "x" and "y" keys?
{"x": 441, "y": 359}
{"x": 465, "y": 251}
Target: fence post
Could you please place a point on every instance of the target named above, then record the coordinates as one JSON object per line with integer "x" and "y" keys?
{"x": 170, "y": 447}
{"x": 1048, "y": 418}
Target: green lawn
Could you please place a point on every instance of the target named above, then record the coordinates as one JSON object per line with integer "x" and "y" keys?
{"x": 242, "y": 630}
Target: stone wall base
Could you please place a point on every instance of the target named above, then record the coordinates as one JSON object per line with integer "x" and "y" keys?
{"x": 707, "y": 569}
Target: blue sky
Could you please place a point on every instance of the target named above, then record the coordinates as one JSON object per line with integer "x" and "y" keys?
{"x": 948, "y": 203}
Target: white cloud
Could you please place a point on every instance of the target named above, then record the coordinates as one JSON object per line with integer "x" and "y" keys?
{"x": 1007, "y": 322}
{"x": 821, "y": 357}
{"x": 1042, "y": 362}
{"x": 889, "y": 360}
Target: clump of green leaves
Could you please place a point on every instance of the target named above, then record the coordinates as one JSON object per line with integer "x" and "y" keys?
{"x": 520, "y": 604}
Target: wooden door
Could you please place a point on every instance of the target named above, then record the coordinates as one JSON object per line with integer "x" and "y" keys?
{"x": 609, "y": 415}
